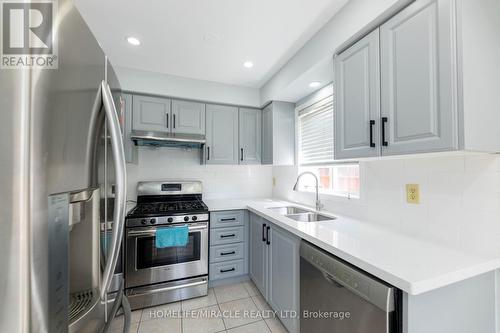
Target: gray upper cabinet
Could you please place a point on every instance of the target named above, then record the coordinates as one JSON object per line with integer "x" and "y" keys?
{"x": 221, "y": 134}
{"x": 250, "y": 137}
{"x": 357, "y": 111}
{"x": 151, "y": 113}
{"x": 130, "y": 150}
{"x": 267, "y": 135}
{"x": 418, "y": 75}
{"x": 188, "y": 117}
{"x": 278, "y": 133}
{"x": 283, "y": 290}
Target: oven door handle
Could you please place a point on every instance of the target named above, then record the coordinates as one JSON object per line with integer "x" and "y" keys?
{"x": 152, "y": 232}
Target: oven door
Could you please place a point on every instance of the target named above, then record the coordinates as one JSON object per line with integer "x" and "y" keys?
{"x": 146, "y": 264}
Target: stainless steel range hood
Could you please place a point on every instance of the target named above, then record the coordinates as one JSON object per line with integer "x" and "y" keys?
{"x": 159, "y": 139}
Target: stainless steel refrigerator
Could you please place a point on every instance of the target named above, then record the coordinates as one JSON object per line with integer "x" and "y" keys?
{"x": 63, "y": 183}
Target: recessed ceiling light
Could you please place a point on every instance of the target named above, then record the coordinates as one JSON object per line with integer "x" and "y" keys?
{"x": 314, "y": 84}
{"x": 133, "y": 41}
{"x": 248, "y": 64}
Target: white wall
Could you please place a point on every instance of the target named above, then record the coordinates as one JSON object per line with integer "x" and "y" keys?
{"x": 460, "y": 198}
{"x": 180, "y": 87}
{"x": 219, "y": 181}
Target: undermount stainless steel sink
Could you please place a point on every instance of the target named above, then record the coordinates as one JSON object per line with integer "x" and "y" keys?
{"x": 289, "y": 210}
{"x": 310, "y": 217}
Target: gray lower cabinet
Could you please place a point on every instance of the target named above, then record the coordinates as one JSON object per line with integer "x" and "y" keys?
{"x": 274, "y": 268}
{"x": 151, "y": 113}
{"x": 278, "y": 133}
{"x": 221, "y": 134}
{"x": 250, "y": 137}
{"x": 258, "y": 252}
{"x": 188, "y": 117}
{"x": 418, "y": 75}
{"x": 357, "y": 116}
{"x": 228, "y": 255}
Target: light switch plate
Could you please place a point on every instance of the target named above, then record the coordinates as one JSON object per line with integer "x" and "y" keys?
{"x": 413, "y": 193}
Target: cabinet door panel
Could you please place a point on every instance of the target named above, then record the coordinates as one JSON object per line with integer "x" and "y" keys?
{"x": 151, "y": 114}
{"x": 257, "y": 254}
{"x": 283, "y": 290}
{"x": 250, "y": 135}
{"x": 357, "y": 111}
{"x": 418, "y": 74}
{"x": 267, "y": 135}
{"x": 222, "y": 134}
{"x": 188, "y": 117}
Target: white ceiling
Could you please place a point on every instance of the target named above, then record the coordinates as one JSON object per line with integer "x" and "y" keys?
{"x": 207, "y": 39}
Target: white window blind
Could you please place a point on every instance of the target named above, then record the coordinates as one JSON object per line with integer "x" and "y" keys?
{"x": 316, "y": 133}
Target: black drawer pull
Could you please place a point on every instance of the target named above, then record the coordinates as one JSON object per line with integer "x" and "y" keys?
{"x": 372, "y": 123}
{"x": 231, "y": 219}
{"x": 226, "y": 236}
{"x": 263, "y": 232}
{"x": 384, "y": 122}
{"x": 267, "y": 236}
{"x": 227, "y": 253}
{"x": 227, "y": 270}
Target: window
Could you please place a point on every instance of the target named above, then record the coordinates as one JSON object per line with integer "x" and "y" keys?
{"x": 316, "y": 153}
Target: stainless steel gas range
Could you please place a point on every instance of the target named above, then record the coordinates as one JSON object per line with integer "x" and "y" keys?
{"x": 161, "y": 275}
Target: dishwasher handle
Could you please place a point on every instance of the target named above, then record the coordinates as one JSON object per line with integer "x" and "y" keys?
{"x": 344, "y": 275}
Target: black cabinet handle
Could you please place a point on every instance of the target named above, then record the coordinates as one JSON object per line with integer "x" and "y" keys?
{"x": 267, "y": 236}
{"x": 174, "y": 120}
{"x": 372, "y": 123}
{"x": 384, "y": 122}
{"x": 168, "y": 116}
{"x": 227, "y": 253}
{"x": 242, "y": 154}
{"x": 263, "y": 232}
{"x": 208, "y": 153}
{"x": 227, "y": 236}
{"x": 227, "y": 270}
{"x": 231, "y": 219}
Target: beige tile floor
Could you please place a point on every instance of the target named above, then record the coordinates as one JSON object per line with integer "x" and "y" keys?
{"x": 235, "y": 308}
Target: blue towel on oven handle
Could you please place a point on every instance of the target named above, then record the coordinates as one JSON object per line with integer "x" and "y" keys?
{"x": 172, "y": 236}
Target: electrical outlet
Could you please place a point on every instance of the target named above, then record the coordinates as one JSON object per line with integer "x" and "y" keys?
{"x": 413, "y": 193}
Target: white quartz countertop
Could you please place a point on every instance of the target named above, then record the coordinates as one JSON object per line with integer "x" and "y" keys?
{"x": 412, "y": 265}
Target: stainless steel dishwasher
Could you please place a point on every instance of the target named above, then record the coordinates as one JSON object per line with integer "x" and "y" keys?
{"x": 335, "y": 297}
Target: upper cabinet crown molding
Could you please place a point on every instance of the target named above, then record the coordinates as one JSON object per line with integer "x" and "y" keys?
{"x": 431, "y": 96}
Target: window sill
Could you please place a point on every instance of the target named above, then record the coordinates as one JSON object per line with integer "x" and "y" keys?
{"x": 333, "y": 195}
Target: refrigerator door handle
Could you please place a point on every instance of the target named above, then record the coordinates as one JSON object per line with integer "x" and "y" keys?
{"x": 120, "y": 186}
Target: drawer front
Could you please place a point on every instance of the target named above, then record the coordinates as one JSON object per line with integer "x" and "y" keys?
{"x": 227, "y": 235}
{"x": 230, "y": 218}
{"x": 226, "y": 269}
{"x": 220, "y": 253}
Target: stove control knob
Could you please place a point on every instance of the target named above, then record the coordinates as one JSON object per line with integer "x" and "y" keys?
{"x": 143, "y": 221}
{"x": 152, "y": 221}
{"x": 194, "y": 218}
{"x": 186, "y": 218}
{"x": 170, "y": 220}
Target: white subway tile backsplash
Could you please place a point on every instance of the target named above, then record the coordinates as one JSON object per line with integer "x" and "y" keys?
{"x": 460, "y": 198}
{"x": 219, "y": 181}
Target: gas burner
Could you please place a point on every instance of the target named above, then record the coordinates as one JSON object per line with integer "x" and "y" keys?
{"x": 168, "y": 202}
